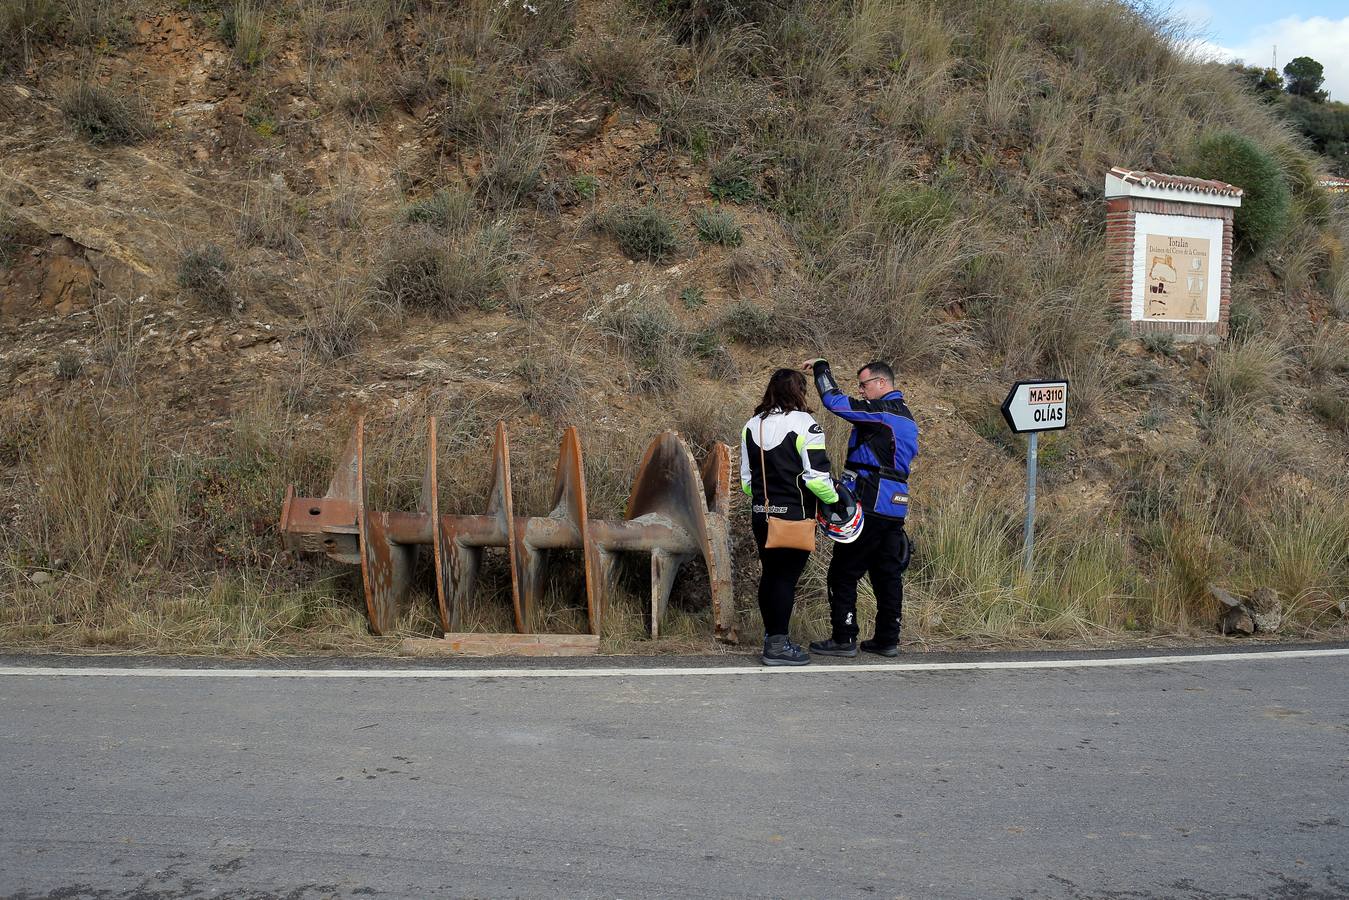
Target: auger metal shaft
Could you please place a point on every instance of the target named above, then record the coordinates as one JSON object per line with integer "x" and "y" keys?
{"x": 676, "y": 511}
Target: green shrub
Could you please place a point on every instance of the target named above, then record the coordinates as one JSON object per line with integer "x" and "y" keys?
{"x": 692, "y": 297}
{"x": 585, "y": 185}
{"x": 1237, "y": 160}
{"x": 105, "y": 116}
{"x": 643, "y": 232}
{"x": 732, "y": 180}
{"x": 717, "y": 226}
{"x": 205, "y": 274}
{"x": 1163, "y": 343}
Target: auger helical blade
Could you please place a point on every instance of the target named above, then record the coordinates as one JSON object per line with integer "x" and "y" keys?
{"x": 386, "y": 566}
{"x": 501, "y": 509}
{"x": 430, "y": 504}
{"x": 668, "y": 488}
{"x": 716, "y": 542}
{"x": 462, "y": 538}
{"x": 570, "y": 505}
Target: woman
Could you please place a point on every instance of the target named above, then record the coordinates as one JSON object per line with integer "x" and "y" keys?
{"x": 785, "y": 472}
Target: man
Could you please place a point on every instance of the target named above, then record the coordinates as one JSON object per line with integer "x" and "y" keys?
{"x": 881, "y": 448}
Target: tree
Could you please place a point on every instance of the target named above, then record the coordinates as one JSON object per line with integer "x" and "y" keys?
{"x": 1264, "y": 83}
{"x": 1305, "y": 77}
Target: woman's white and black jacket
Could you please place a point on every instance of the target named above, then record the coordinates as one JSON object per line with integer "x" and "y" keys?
{"x": 798, "y": 467}
{"x": 881, "y": 448}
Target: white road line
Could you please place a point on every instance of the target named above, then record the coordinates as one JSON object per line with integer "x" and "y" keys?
{"x": 865, "y": 668}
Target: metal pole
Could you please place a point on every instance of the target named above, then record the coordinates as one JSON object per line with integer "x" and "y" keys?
{"x": 1031, "y": 455}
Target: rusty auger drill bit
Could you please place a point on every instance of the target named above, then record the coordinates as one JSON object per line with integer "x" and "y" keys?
{"x": 677, "y": 511}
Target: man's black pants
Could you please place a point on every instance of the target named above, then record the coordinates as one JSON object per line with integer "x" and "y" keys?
{"x": 879, "y": 552}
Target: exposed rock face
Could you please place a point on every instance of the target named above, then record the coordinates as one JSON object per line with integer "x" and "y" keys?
{"x": 71, "y": 282}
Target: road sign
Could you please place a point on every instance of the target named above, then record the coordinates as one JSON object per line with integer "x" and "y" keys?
{"x": 1036, "y": 406}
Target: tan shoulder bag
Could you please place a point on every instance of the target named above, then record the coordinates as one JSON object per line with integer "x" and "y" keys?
{"x": 783, "y": 534}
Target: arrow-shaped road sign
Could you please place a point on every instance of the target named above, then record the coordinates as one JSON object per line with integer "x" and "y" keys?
{"x": 1036, "y": 406}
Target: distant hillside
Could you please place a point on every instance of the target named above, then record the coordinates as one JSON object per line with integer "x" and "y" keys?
{"x": 225, "y": 228}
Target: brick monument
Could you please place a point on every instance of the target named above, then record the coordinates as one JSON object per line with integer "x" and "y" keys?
{"x": 1170, "y": 242}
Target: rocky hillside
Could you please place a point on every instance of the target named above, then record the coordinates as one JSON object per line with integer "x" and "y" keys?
{"x": 228, "y": 228}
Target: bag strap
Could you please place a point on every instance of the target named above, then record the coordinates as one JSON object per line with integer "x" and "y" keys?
{"x": 763, "y": 468}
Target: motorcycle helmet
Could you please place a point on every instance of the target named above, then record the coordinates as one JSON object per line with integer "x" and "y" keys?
{"x": 841, "y": 521}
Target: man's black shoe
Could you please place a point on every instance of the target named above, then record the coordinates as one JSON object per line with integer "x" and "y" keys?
{"x": 778, "y": 650}
{"x": 832, "y": 647}
{"x": 880, "y": 649}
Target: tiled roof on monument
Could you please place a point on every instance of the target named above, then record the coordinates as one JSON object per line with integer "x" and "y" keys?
{"x": 1176, "y": 182}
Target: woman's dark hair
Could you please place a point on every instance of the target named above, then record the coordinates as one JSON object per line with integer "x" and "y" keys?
{"x": 786, "y": 391}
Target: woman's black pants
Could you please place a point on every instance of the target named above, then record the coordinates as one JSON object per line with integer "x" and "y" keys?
{"x": 782, "y": 568}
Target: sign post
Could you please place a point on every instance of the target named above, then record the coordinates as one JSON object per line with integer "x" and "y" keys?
{"x": 1030, "y": 408}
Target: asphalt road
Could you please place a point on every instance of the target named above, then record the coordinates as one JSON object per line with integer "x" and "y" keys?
{"x": 1196, "y": 779}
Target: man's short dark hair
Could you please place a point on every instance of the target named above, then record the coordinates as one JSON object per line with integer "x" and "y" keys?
{"x": 879, "y": 368}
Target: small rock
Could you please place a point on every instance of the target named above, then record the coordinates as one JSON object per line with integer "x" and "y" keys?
{"x": 1266, "y": 610}
{"x": 41, "y": 577}
{"x": 1236, "y": 621}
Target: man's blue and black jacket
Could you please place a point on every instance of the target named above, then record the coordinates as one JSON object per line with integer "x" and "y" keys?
{"x": 881, "y": 448}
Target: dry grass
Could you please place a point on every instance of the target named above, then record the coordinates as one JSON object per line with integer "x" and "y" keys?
{"x": 270, "y": 218}
{"x": 1327, "y": 353}
{"x": 514, "y": 163}
{"x": 1248, "y": 371}
{"x": 651, "y": 337}
{"x": 624, "y": 59}
{"x": 338, "y": 320}
{"x": 106, "y": 116}
{"x": 24, "y": 26}
{"x": 243, "y": 27}
{"x": 448, "y": 274}
{"x": 204, "y": 272}
{"x": 925, "y": 168}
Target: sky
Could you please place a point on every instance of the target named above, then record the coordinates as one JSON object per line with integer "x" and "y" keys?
{"x": 1250, "y": 30}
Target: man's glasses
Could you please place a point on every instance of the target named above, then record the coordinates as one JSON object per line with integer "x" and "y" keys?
{"x": 863, "y": 383}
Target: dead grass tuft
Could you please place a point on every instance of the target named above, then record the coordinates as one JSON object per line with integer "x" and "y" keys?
{"x": 448, "y": 274}
{"x": 204, "y": 272}
{"x": 271, "y": 219}
{"x": 652, "y": 338}
{"x": 1250, "y": 370}
{"x": 338, "y": 320}
{"x": 106, "y": 116}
